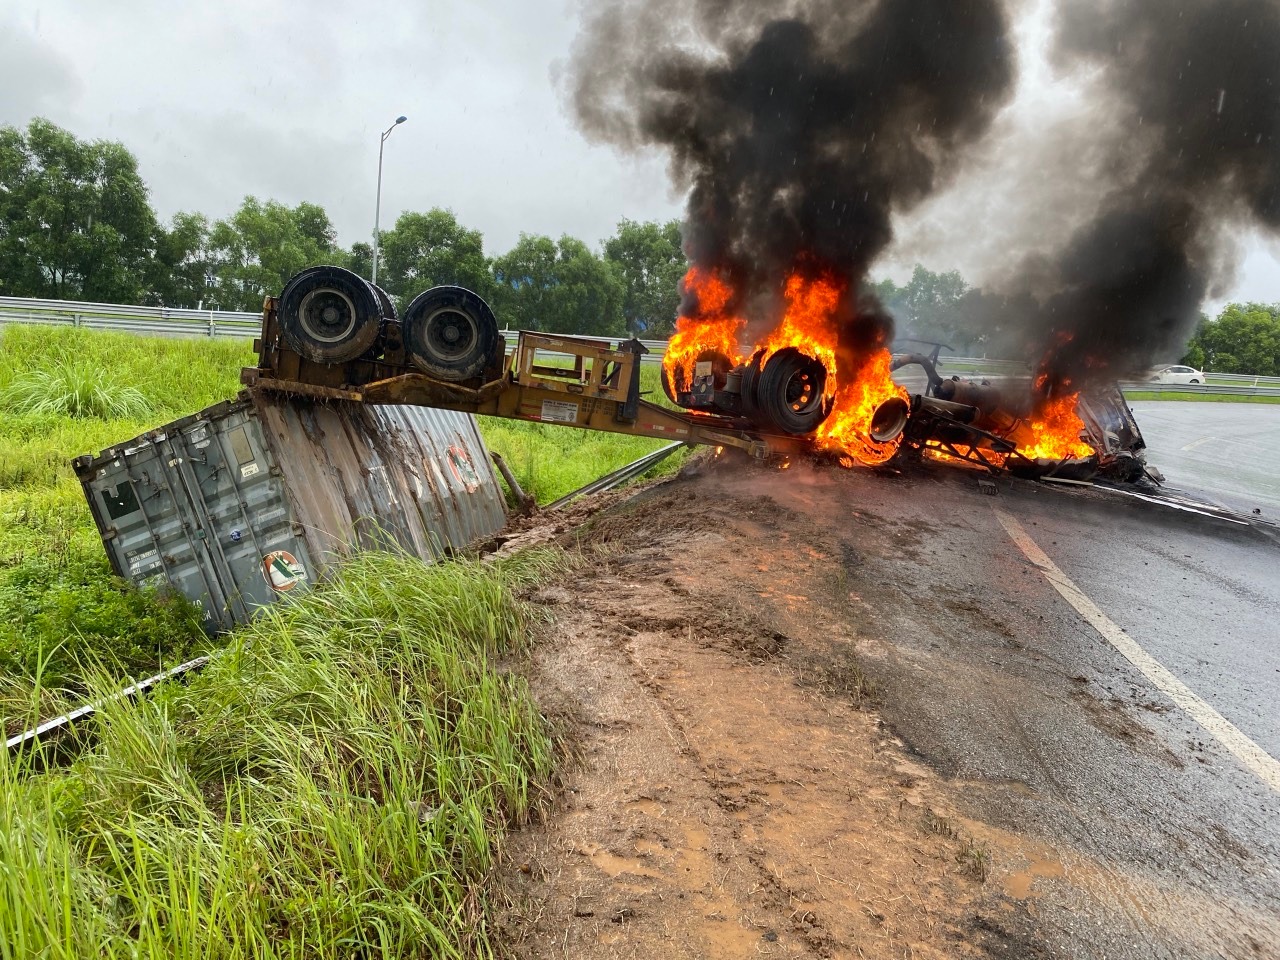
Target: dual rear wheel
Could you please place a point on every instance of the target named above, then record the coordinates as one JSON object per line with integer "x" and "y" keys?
{"x": 331, "y": 315}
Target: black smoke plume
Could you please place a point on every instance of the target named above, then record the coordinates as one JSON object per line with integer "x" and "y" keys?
{"x": 799, "y": 127}
{"x": 1197, "y": 84}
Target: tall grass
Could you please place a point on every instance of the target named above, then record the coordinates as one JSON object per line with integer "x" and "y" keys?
{"x": 74, "y": 390}
{"x": 331, "y": 786}
{"x": 65, "y": 393}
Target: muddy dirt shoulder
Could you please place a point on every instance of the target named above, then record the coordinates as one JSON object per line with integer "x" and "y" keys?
{"x": 732, "y": 792}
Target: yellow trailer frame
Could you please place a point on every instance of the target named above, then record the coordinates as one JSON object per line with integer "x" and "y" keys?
{"x": 598, "y": 390}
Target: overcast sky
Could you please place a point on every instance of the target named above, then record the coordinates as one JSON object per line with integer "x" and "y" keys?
{"x": 285, "y": 99}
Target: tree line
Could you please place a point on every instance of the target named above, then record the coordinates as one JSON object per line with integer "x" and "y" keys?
{"x": 76, "y": 224}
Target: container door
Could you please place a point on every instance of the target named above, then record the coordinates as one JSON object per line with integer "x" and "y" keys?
{"x": 236, "y": 491}
{"x": 150, "y": 531}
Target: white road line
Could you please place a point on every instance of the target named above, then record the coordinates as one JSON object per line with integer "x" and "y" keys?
{"x": 1197, "y": 443}
{"x": 1219, "y": 727}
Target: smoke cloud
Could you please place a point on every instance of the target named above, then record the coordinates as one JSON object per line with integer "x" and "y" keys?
{"x": 800, "y": 128}
{"x": 1195, "y": 86}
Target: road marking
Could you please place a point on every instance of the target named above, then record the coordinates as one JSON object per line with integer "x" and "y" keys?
{"x": 1197, "y": 443}
{"x": 1265, "y": 766}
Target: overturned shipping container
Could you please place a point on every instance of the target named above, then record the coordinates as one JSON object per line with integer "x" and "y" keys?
{"x": 250, "y": 499}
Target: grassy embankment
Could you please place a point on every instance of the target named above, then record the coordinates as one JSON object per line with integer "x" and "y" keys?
{"x": 334, "y": 785}
{"x": 62, "y": 609}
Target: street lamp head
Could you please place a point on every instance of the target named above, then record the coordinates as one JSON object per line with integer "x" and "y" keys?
{"x": 401, "y": 119}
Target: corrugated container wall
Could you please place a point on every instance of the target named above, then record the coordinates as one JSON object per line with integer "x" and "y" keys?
{"x": 250, "y": 499}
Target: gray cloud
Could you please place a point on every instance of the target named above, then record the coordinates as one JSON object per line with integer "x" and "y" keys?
{"x": 285, "y": 99}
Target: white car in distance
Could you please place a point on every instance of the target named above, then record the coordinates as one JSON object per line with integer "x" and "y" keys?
{"x": 1177, "y": 374}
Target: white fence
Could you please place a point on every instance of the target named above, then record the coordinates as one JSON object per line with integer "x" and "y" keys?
{"x": 175, "y": 322}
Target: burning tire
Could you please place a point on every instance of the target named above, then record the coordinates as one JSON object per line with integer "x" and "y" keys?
{"x": 450, "y": 333}
{"x": 329, "y": 315}
{"x": 787, "y": 392}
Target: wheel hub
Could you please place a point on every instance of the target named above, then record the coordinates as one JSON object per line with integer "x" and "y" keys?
{"x": 327, "y": 315}
{"x": 451, "y": 333}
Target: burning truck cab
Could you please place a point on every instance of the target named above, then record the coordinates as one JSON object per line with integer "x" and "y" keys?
{"x": 1010, "y": 423}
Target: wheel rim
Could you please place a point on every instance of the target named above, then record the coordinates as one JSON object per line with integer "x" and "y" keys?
{"x": 327, "y": 315}
{"x": 801, "y": 391}
{"x": 450, "y": 334}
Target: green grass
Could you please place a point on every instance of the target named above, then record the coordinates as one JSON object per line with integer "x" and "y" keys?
{"x": 1197, "y": 397}
{"x": 333, "y": 785}
{"x": 63, "y": 613}
{"x": 64, "y": 393}
{"x": 74, "y": 389}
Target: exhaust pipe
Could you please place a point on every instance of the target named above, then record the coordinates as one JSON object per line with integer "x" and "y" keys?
{"x": 889, "y": 420}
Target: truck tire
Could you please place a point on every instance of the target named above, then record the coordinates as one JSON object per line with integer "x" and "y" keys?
{"x": 329, "y": 315}
{"x": 787, "y": 392}
{"x": 450, "y": 333}
{"x": 384, "y": 301}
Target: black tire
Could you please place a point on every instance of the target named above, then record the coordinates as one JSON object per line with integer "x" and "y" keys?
{"x": 384, "y": 301}
{"x": 329, "y": 315}
{"x": 1195, "y": 381}
{"x": 450, "y": 333}
{"x": 787, "y": 392}
{"x": 747, "y": 389}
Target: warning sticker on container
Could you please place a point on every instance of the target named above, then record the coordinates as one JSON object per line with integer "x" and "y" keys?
{"x": 557, "y": 411}
{"x": 283, "y": 571}
{"x": 463, "y": 468}
{"x": 249, "y": 470}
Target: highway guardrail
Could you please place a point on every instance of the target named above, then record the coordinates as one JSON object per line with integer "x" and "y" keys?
{"x": 150, "y": 321}
{"x": 184, "y": 322}
{"x": 1208, "y": 389}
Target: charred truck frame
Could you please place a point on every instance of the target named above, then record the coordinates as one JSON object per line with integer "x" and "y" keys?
{"x": 331, "y": 334}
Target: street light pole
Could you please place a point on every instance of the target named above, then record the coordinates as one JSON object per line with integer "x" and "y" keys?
{"x": 377, "y": 210}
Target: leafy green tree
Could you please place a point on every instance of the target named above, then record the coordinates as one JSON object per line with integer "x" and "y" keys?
{"x": 181, "y": 262}
{"x": 560, "y": 286}
{"x": 651, "y": 263}
{"x": 359, "y": 259}
{"x": 75, "y": 223}
{"x": 254, "y": 252}
{"x": 425, "y": 250}
{"x": 1244, "y": 338}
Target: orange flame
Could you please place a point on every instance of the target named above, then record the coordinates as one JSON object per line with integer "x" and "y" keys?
{"x": 810, "y": 325}
{"x": 712, "y": 327}
{"x": 1053, "y": 432}
{"x": 936, "y": 451}
{"x": 848, "y": 428}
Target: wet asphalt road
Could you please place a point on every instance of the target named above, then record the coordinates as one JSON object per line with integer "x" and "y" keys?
{"x": 1228, "y": 452}
{"x": 1123, "y": 828}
